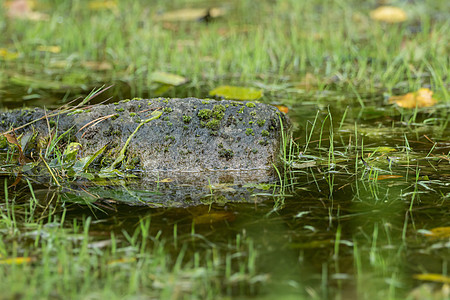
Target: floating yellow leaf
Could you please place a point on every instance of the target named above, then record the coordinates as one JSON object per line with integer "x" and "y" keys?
{"x": 7, "y": 55}
{"x": 388, "y": 14}
{"x": 214, "y": 217}
{"x": 433, "y": 277}
{"x": 421, "y": 98}
{"x": 52, "y": 49}
{"x": 439, "y": 232}
{"x": 236, "y": 92}
{"x": 383, "y": 177}
{"x": 190, "y": 14}
{"x": 167, "y": 78}
{"x": 15, "y": 261}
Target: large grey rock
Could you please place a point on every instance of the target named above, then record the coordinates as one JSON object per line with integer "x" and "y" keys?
{"x": 194, "y": 140}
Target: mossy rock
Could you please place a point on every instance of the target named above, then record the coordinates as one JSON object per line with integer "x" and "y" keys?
{"x": 205, "y": 136}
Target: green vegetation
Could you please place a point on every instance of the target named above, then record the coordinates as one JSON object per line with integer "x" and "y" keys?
{"x": 226, "y": 153}
{"x": 204, "y": 114}
{"x": 218, "y": 111}
{"x": 167, "y": 110}
{"x": 213, "y": 124}
{"x": 360, "y": 187}
{"x": 261, "y": 123}
{"x": 187, "y": 119}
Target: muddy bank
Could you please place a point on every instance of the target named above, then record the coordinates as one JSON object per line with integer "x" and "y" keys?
{"x": 192, "y": 140}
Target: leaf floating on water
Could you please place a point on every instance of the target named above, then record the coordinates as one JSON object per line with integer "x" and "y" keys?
{"x": 421, "y": 98}
{"x": 383, "y": 177}
{"x": 190, "y": 14}
{"x": 51, "y": 49}
{"x": 439, "y": 232}
{"x": 15, "y": 261}
{"x": 433, "y": 277}
{"x": 388, "y": 14}
{"x": 236, "y": 92}
{"x": 214, "y": 217}
{"x": 167, "y": 78}
{"x": 8, "y": 55}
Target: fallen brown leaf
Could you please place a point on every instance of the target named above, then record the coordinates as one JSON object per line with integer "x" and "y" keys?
{"x": 11, "y": 138}
{"x": 282, "y": 108}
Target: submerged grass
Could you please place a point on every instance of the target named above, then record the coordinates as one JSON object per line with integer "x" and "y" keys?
{"x": 79, "y": 259}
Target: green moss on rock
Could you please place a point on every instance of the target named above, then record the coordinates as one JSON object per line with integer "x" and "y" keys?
{"x": 187, "y": 119}
{"x": 226, "y": 153}
{"x": 205, "y": 114}
{"x": 218, "y": 111}
{"x": 214, "y": 124}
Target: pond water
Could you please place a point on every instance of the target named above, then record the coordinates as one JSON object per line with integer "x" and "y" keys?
{"x": 350, "y": 216}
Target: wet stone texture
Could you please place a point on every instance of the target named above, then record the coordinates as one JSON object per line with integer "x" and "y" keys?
{"x": 193, "y": 137}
